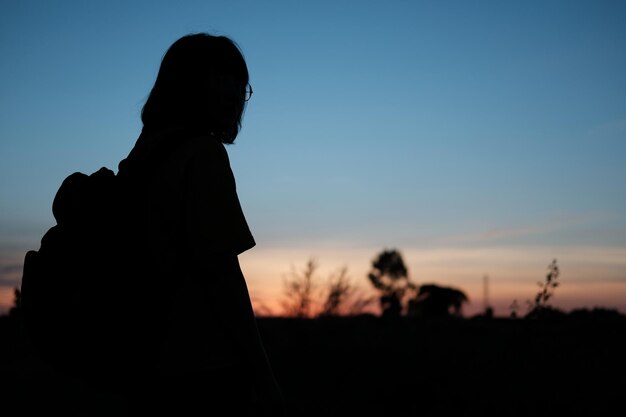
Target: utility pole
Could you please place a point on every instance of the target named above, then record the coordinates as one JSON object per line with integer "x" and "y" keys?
{"x": 485, "y": 292}
{"x": 488, "y": 311}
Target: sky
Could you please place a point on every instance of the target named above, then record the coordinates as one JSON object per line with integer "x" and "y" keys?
{"x": 480, "y": 139}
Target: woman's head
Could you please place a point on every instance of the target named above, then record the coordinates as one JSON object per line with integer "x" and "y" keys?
{"x": 201, "y": 83}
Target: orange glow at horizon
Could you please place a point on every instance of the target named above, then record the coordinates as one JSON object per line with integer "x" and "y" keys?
{"x": 590, "y": 277}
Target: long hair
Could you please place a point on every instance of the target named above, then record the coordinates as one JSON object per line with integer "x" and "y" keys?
{"x": 201, "y": 84}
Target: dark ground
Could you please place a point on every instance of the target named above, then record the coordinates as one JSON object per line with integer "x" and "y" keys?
{"x": 369, "y": 366}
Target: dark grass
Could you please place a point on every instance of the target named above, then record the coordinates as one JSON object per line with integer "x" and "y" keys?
{"x": 370, "y": 366}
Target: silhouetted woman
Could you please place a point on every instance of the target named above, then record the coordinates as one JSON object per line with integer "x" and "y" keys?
{"x": 210, "y": 354}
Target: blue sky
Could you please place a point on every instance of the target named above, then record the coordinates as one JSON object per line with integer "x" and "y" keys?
{"x": 490, "y": 128}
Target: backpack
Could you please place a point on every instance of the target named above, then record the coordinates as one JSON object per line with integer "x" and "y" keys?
{"x": 78, "y": 295}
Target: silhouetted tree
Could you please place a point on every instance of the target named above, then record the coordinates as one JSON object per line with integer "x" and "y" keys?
{"x": 438, "y": 302}
{"x": 514, "y": 307}
{"x": 540, "y": 307}
{"x": 299, "y": 291}
{"x": 17, "y": 302}
{"x": 305, "y": 296}
{"x": 339, "y": 289}
{"x": 341, "y": 297}
{"x": 389, "y": 276}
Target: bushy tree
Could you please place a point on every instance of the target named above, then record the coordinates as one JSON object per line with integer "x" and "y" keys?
{"x": 434, "y": 301}
{"x": 389, "y": 276}
{"x": 17, "y": 302}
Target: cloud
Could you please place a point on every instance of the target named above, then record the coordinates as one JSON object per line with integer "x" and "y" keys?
{"x": 562, "y": 222}
{"x": 497, "y": 233}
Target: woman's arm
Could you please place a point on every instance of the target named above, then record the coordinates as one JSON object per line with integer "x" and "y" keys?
{"x": 217, "y": 232}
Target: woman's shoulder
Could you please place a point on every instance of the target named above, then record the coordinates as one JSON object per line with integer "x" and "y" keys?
{"x": 200, "y": 157}
{"x": 203, "y": 149}
{"x": 206, "y": 142}
{"x": 174, "y": 153}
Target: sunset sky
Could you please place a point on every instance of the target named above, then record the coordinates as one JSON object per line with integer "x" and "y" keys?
{"x": 479, "y": 138}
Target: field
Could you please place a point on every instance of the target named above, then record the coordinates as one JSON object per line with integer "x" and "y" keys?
{"x": 370, "y": 366}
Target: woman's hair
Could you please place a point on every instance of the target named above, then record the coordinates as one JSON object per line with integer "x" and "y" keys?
{"x": 201, "y": 84}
